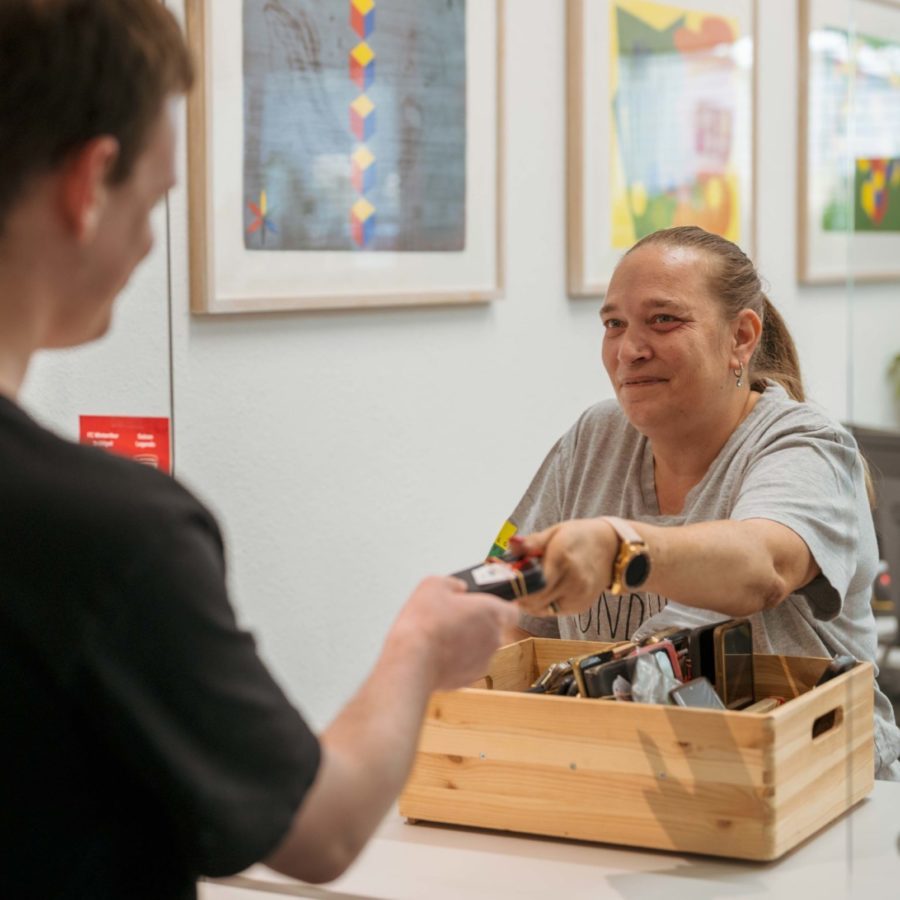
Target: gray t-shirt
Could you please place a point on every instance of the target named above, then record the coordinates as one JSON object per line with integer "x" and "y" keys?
{"x": 787, "y": 462}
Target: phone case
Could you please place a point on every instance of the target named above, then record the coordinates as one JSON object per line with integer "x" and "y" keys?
{"x": 731, "y": 695}
{"x": 702, "y": 653}
{"x": 698, "y": 692}
{"x": 508, "y": 579}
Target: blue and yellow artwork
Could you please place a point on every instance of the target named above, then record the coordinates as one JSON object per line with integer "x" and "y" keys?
{"x": 355, "y": 125}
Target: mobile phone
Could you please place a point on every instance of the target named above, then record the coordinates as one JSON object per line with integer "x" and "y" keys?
{"x": 837, "y": 666}
{"x": 587, "y": 661}
{"x": 552, "y": 679}
{"x": 733, "y": 643}
{"x": 702, "y": 653}
{"x": 681, "y": 640}
{"x": 580, "y": 664}
{"x": 598, "y": 681}
{"x": 666, "y": 657}
{"x": 679, "y": 637}
{"x": 506, "y": 577}
{"x": 697, "y": 692}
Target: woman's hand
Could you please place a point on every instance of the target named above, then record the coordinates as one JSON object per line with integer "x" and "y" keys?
{"x": 578, "y": 558}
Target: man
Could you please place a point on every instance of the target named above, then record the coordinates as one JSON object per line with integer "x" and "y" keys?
{"x": 145, "y": 744}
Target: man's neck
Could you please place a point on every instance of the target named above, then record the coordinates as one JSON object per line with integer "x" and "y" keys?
{"x": 21, "y": 326}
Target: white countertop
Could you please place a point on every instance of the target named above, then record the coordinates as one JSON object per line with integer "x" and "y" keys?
{"x": 857, "y": 856}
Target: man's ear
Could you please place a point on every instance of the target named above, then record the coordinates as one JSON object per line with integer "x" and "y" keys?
{"x": 747, "y": 332}
{"x": 83, "y": 185}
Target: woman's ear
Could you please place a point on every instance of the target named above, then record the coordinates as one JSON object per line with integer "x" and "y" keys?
{"x": 83, "y": 185}
{"x": 747, "y": 330}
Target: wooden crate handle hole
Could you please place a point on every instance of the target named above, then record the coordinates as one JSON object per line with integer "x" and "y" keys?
{"x": 829, "y": 721}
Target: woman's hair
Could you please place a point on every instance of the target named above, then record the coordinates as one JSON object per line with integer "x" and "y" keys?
{"x": 735, "y": 283}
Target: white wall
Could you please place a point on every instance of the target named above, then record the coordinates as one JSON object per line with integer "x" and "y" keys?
{"x": 349, "y": 454}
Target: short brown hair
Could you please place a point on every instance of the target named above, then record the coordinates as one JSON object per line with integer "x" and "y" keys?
{"x": 735, "y": 283}
{"x": 73, "y": 70}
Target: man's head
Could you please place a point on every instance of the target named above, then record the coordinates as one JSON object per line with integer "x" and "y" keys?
{"x": 87, "y": 151}
{"x": 75, "y": 70}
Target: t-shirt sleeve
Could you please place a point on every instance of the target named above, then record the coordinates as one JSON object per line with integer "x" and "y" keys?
{"x": 811, "y": 481}
{"x": 179, "y": 692}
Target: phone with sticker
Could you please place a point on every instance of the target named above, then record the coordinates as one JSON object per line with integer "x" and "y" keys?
{"x": 506, "y": 576}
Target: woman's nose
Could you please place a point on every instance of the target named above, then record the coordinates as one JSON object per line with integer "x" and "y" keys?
{"x": 633, "y": 347}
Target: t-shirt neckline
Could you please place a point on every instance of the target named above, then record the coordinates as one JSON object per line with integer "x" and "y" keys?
{"x": 648, "y": 474}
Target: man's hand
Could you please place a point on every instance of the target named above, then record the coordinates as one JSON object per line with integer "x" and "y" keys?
{"x": 442, "y": 639}
{"x": 458, "y": 631}
{"x": 578, "y": 558}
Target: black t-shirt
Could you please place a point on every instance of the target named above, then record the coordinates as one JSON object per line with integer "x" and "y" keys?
{"x": 143, "y": 741}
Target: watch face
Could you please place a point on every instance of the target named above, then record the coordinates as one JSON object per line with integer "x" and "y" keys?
{"x": 637, "y": 570}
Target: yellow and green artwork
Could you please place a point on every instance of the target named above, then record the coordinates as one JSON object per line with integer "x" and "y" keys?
{"x": 856, "y": 97}
{"x": 877, "y": 195}
{"x": 679, "y": 117}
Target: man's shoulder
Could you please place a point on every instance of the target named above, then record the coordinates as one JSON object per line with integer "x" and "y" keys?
{"x": 75, "y": 487}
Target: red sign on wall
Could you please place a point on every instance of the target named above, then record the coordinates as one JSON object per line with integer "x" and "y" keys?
{"x": 143, "y": 439}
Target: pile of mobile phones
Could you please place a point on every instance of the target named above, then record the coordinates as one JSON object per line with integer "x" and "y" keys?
{"x": 712, "y": 665}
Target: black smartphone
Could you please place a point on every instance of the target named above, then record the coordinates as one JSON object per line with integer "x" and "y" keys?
{"x": 696, "y": 692}
{"x": 506, "y": 577}
{"x": 702, "y": 652}
{"x": 598, "y": 681}
{"x": 837, "y": 666}
{"x": 588, "y": 661}
{"x": 733, "y": 643}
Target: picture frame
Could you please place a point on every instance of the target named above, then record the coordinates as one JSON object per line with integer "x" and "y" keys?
{"x": 848, "y": 215}
{"x": 657, "y": 137}
{"x": 330, "y": 168}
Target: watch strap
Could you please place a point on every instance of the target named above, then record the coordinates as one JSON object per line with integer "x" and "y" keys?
{"x": 624, "y": 530}
{"x": 631, "y": 547}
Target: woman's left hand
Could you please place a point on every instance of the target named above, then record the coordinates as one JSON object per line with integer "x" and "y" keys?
{"x": 578, "y": 558}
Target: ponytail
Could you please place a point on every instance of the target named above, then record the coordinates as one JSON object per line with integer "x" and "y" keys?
{"x": 776, "y": 356}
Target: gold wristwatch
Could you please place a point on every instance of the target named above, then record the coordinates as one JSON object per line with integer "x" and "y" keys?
{"x": 631, "y": 567}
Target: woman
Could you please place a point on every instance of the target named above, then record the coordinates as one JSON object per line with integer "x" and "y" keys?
{"x": 732, "y": 495}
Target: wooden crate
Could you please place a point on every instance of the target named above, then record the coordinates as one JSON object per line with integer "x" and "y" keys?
{"x": 731, "y": 784}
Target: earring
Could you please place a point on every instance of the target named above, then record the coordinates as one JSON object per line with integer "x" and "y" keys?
{"x": 739, "y": 375}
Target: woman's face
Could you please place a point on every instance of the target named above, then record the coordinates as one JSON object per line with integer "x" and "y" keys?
{"x": 666, "y": 348}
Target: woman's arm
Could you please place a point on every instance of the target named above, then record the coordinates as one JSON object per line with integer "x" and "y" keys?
{"x": 733, "y": 567}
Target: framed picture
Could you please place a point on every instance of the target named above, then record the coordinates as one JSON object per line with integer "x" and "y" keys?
{"x": 660, "y": 126}
{"x": 344, "y": 153}
{"x": 849, "y": 185}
